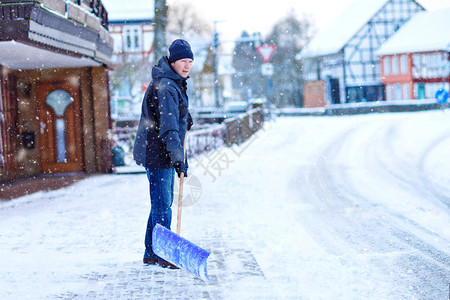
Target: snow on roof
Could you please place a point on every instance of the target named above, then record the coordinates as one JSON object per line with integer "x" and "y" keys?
{"x": 426, "y": 31}
{"x": 345, "y": 26}
{"x": 122, "y": 10}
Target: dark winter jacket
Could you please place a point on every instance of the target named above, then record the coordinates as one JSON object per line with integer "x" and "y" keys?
{"x": 163, "y": 123}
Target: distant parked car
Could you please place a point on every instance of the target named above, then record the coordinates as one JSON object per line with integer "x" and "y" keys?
{"x": 236, "y": 107}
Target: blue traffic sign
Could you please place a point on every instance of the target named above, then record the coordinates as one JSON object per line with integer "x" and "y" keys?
{"x": 441, "y": 96}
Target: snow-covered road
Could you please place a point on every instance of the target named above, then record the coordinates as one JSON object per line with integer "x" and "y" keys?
{"x": 354, "y": 207}
{"x": 379, "y": 198}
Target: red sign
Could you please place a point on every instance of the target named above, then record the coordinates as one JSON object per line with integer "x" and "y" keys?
{"x": 266, "y": 52}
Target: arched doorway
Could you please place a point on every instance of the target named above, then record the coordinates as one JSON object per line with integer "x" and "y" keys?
{"x": 60, "y": 128}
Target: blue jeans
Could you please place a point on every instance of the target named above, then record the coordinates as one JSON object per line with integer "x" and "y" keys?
{"x": 161, "y": 196}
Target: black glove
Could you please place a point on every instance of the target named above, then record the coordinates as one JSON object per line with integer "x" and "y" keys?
{"x": 180, "y": 167}
{"x": 190, "y": 122}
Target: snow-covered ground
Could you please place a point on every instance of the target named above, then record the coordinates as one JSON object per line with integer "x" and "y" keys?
{"x": 354, "y": 207}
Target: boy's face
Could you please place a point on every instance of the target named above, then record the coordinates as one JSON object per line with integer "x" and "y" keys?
{"x": 182, "y": 67}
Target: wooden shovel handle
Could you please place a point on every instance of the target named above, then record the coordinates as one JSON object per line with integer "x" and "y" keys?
{"x": 180, "y": 194}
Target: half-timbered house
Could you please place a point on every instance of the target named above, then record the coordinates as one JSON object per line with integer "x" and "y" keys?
{"x": 340, "y": 64}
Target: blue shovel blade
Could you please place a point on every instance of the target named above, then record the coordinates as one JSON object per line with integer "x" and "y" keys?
{"x": 180, "y": 252}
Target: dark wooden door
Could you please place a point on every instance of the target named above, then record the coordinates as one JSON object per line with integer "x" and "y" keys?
{"x": 60, "y": 128}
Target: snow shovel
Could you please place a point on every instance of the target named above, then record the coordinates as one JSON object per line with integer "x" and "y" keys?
{"x": 177, "y": 250}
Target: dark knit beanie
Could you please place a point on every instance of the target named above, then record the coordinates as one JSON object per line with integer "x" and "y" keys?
{"x": 180, "y": 49}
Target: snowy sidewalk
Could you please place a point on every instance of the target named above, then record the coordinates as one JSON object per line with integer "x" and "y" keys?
{"x": 281, "y": 218}
{"x": 86, "y": 242}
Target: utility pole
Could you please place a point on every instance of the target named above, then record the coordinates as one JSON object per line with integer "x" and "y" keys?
{"x": 215, "y": 49}
{"x": 159, "y": 40}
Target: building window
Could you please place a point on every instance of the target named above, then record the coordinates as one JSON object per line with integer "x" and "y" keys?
{"x": 397, "y": 91}
{"x": 404, "y": 64}
{"x": 387, "y": 65}
{"x": 432, "y": 88}
{"x": 388, "y": 92}
{"x": 416, "y": 65}
{"x": 59, "y": 100}
{"x": 136, "y": 39}
{"x": 128, "y": 39}
{"x": 133, "y": 39}
{"x": 395, "y": 65}
{"x": 406, "y": 91}
{"x": 436, "y": 63}
{"x": 430, "y": 65}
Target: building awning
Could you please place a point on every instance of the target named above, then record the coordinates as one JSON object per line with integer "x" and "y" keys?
{"x": 15, "y": 55}
{"x": 34, "y": 37}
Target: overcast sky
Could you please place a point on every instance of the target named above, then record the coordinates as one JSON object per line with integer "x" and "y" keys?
{"x": 257, "y": 15}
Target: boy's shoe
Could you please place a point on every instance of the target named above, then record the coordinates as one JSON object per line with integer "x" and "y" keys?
{"x": 167, "y": 265}
{"x": 150, "y": 261}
